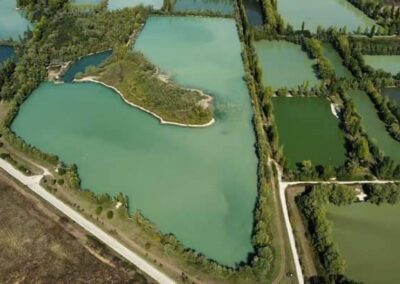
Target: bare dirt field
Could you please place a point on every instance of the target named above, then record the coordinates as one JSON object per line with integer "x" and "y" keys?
{"x": 39, "y": 245}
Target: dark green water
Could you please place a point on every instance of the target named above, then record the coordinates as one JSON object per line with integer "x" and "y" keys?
{"x": 284, "y": 64}
{"x": 308, "y": 131}
{"x": 12, "y": 23}
{"x": 368, "y": 236}
{"x": 254, "y": 12}
{"x": 199, "y": 184}
{"x": 6, "y": 52}
{"x": 392, "y": 93}
{"x": 83, "y": 63}
{"x": 374, "y": 127}
{"x": 334, "y": 58}
{"x": 325, "y": 13}
{"x": 221, "y": 6}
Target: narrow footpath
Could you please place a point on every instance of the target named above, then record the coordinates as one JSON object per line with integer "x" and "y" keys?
{"x": 282, "y": 194}
{"x": 33, "y": 183}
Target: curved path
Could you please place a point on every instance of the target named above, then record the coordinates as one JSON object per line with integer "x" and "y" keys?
{"x": 33, "y": 183}
{"x": 282, "y": 194}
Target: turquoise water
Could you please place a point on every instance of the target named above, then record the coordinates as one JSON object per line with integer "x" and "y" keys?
{"x": 393, "y": 94}
{"x": 324, "y": 13}
{"x": 285, "y": 64}
{"x": 221, "y": 6}
{"x": 5, "y": 53}
{"x": 12, "y": 22}
{"x": 120, "y": 4}
{"x": 308, "y": 131}
{"x": 199, "y": 184}
{"x": 374, "y": 127}
{"x": 388, "y": 63}
{"x": 336, "y": 61}
{"x": 83, "y": 63}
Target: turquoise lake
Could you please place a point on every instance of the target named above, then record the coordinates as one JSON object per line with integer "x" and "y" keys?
{"x": 12, "y": 23}
{"x": 200, "y": 184}
{"x": 388, "y": 63}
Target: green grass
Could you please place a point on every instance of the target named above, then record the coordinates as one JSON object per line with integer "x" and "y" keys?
{"x": 135, "y": 77}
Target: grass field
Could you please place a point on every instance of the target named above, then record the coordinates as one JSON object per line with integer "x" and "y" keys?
{"x": 37, "y": 245}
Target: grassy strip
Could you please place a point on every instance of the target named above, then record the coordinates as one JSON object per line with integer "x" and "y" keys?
{"x": 136, "y": 78}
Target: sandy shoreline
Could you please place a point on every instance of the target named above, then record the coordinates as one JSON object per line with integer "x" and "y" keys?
{"x": 162, "y": 121}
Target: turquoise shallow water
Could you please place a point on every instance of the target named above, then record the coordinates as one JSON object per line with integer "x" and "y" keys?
{"x": 388, "y": 63}
{"x": 12, "y": 22}
{"x": 336, "y": 61}
{"x": 199, "y": 184}
{"x": 324, "y": 13}
{"x": 285, "y": 64}
{"x": 83, "y": 63}
{"x": 393, "y": 94}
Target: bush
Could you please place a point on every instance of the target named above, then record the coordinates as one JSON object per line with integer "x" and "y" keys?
{"x": 110, "y": 214}
{"x": 99, "y": 209}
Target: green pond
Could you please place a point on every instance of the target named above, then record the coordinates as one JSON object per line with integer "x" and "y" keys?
{"x": 393, "y": 94}
{"x": 388, "y": 63}
{"x": 81, "y": 64}
{"x": 368, "y": 237}
{"x": 308, "y": 131}
{"x": 325, "y": 13}
{"x": 12, "y": 22}
{"x": 336, "y": 61}
{"x": 220, "y": 6}
{"x": 6, "y": 52}
{"x": 198, "y": 183}
{"x": 285, "y": 64}
{"x": 374, "y": 127}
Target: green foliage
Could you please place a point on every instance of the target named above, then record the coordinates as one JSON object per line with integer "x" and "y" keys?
{"x": 99, "y": 209}
{"x": 110, "y": 214}
{"x": 382, "y": 193}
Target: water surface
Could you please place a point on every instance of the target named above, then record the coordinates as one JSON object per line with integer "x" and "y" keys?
{"x": 374, "y": 127}
{"x": 254, "y": 12}
{"x": 393, "y": 94}
{"x": 120, "y": 4}
{"x": 308, "y": 131}
{"x": 220, "y": 6}
{"x": 324, "y": 13}
{"x": 368, "y": 238}
{"x": 285, "y": 64}
{"x": 6, "y": 52}
{"x": 81, "y": 64}
{"x": 12, "y": 23}
{"x": 388, "y": 63}
{"x": 336, "y": 61}
{"x": 199, "y": 184}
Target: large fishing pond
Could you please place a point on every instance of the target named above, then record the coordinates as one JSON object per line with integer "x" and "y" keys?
{"x": 308, "y": 131}
{"x": 326, "y": 13}
{"x": 199, "y": 184}
{"x": 374, "y": 127}
{"x": 368, "y": 238}
{"x": 12, "y": 22}
{"x": 388, "y": 63}
{"x": 285, "y": 64}
{"x": 224, "y": 7}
